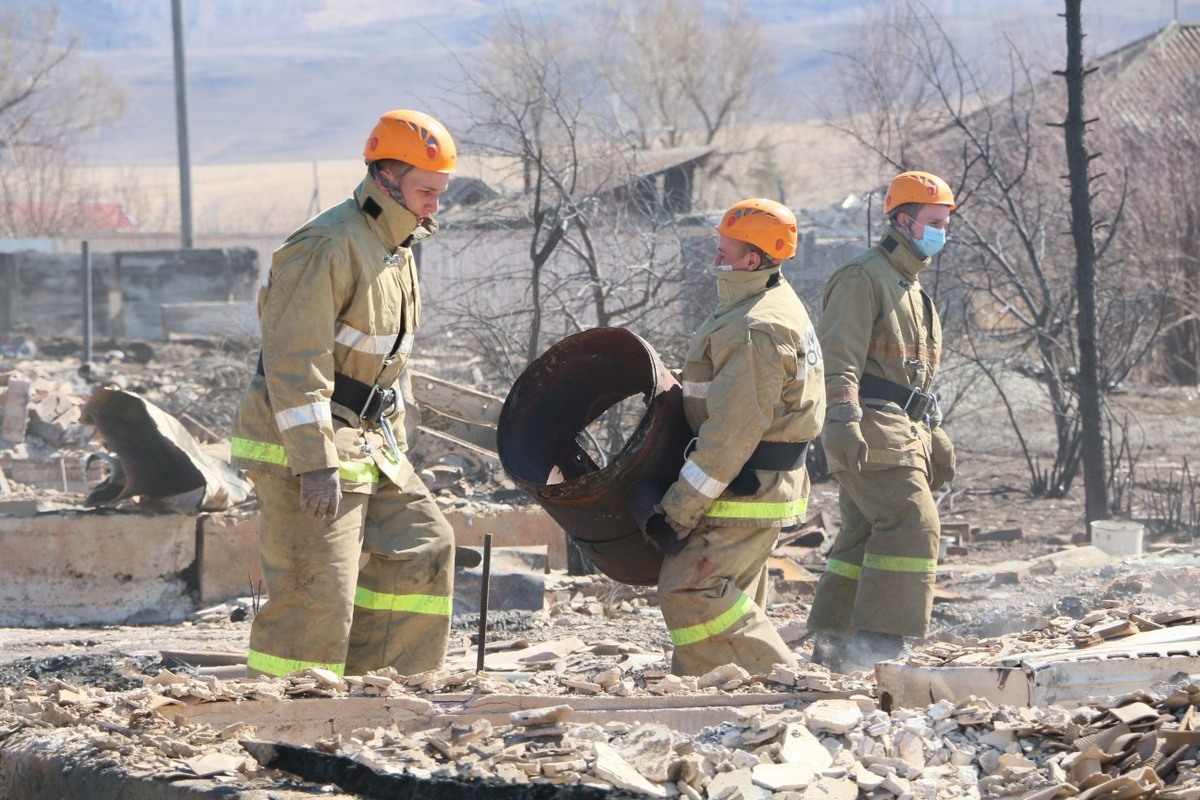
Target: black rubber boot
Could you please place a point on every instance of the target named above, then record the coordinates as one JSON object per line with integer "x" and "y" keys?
{"x": 868, "y": 648}
{"x": 829, "y": 651}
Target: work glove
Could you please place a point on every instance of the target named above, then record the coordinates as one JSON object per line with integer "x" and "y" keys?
{"x": 941, "y": 460}
{"x": 681, "y": 530}
{"x": 320, "y": 493}
{"x": 844, "y": 445}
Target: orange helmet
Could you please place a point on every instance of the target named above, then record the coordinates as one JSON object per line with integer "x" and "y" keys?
{"x": 414, "y": 138}
{"x": 766, "y": 224}
{"x": 918, "y": 187}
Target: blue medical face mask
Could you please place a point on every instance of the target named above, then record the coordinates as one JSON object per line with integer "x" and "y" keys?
{"x": 931, "y": 242}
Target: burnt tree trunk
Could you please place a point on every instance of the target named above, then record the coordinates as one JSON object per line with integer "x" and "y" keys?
{"x": 1078, "y": 161}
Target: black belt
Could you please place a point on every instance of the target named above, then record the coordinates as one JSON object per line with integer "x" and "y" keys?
{"x": 774, "y": 456}
{"x": 778, "y": 456}
{"x": 369, "y": 402}
{"x": 916, "y": 404}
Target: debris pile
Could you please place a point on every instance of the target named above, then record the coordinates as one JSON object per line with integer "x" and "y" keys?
{"x": 835, "y": 746}
{"x": 1114, "y": 619}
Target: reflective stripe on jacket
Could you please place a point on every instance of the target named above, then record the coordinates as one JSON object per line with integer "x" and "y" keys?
{"x": 341, "y": 297}
{"x": 753, "y": 373}
{"x": 877, "y": 319}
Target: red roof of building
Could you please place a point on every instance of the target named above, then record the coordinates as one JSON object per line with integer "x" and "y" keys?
{"x": 52, "y": 219}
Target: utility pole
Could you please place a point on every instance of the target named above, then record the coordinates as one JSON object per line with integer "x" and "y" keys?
{"x": 181, "y": 129}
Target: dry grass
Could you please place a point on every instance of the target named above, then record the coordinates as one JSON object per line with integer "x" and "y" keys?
{"x": 817, "y": 167}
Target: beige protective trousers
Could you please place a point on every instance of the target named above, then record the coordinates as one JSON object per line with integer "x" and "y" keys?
{"x": 323, "y": 611}
{"x": 712, "y": 594}
{"x": 882, "y": 567}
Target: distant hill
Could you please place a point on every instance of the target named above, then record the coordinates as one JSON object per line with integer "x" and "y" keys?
{"x": 277, "y": 80}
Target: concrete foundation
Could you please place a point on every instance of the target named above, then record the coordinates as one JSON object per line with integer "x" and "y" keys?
{"x": 104, "y": 567}
{"x": 89, "y": 568}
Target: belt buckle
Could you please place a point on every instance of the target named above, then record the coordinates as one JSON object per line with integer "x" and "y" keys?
{"x": 387, "y": 402}
{"x": 373, "y": 396}
{"x": 379, "y": 404}
{"x": 917, "y": 410}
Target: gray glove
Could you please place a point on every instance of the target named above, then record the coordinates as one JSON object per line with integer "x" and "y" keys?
{"x": 681, "y": 532}
{"x": 941, "y": 458}
{"x": 845, "y": 447}
{"x": 320, "y": 493}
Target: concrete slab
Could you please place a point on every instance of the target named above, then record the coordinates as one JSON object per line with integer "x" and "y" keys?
{"x": 95, "y": 568}
{"x": 508, "y": 590}
{"x": 516, "y": 527}
{"x": 227, "y": 557}
{"x": 110, "y": 567}
{"x": 1068, "y": 677}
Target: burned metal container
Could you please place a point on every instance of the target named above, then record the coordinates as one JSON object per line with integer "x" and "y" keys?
{"x": 545, "y": 445}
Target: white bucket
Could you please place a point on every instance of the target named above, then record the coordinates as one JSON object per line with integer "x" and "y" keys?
{"x": 943, "y": 544}
{"x": 1117, "y": 537}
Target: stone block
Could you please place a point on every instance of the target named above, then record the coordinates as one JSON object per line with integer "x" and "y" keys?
{"x": 95, "y": 568}
{"x": 514, "y": 527}
{"x": 228, "y": 564}
{"x": 508, "y": 590}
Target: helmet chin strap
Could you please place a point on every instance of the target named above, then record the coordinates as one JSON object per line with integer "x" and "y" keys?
{"x": 393, "y": 189}
{"x": 906, "y": 229}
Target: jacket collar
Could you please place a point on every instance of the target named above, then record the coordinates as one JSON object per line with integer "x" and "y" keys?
{"x": 900, "y": 255}
{"x": 394, "y": 224}
{"x": 736, "y": 286}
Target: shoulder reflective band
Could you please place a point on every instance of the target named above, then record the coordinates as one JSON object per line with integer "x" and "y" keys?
{"x": 843, "y": 568}
{"x": 899, "y": 564}
{"x": 733, "y": 509}
{"x": 706, "y": 630}
{"x": 412, "y": 603}
{"x": 276, "y": 666}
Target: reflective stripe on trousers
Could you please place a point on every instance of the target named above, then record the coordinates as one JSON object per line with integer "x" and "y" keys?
{"x": 411, "y": 603}
{"x": 712, "y": 594}
{"x": 323, "y": 609}
{"x": 883, "y": 563}
{"x": 710, "y": 628}
{"x": 274, "y": 665}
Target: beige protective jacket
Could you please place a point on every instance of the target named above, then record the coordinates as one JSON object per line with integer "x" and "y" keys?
{"x": 877, "y": 319}
{"x": 341, "y": 297}
{"x": 753, "y": 374}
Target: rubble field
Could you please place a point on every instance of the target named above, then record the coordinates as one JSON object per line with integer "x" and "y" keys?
{"x": 601, "y": 715}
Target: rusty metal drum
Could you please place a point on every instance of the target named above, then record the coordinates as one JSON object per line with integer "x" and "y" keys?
{"x": 600, "y": 491}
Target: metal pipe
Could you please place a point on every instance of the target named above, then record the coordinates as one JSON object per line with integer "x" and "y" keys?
{"x": 87, "y": 303}
{"x": 483, "y": 600}
{"x": 181, "y": 128}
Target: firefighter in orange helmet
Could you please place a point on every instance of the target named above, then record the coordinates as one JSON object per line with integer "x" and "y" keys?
{"x": 321, "y": 427}
{"x": 754, "y": 395}
{"x": 883, "y": 439}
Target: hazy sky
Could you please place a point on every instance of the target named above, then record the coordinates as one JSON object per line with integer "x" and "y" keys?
{"x": 299, "y": 79}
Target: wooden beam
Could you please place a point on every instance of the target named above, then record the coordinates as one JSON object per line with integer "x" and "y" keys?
{"x": 303, "y": 721}
{"x": 454, "y": 400}
{"x": 16, "y": 411}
